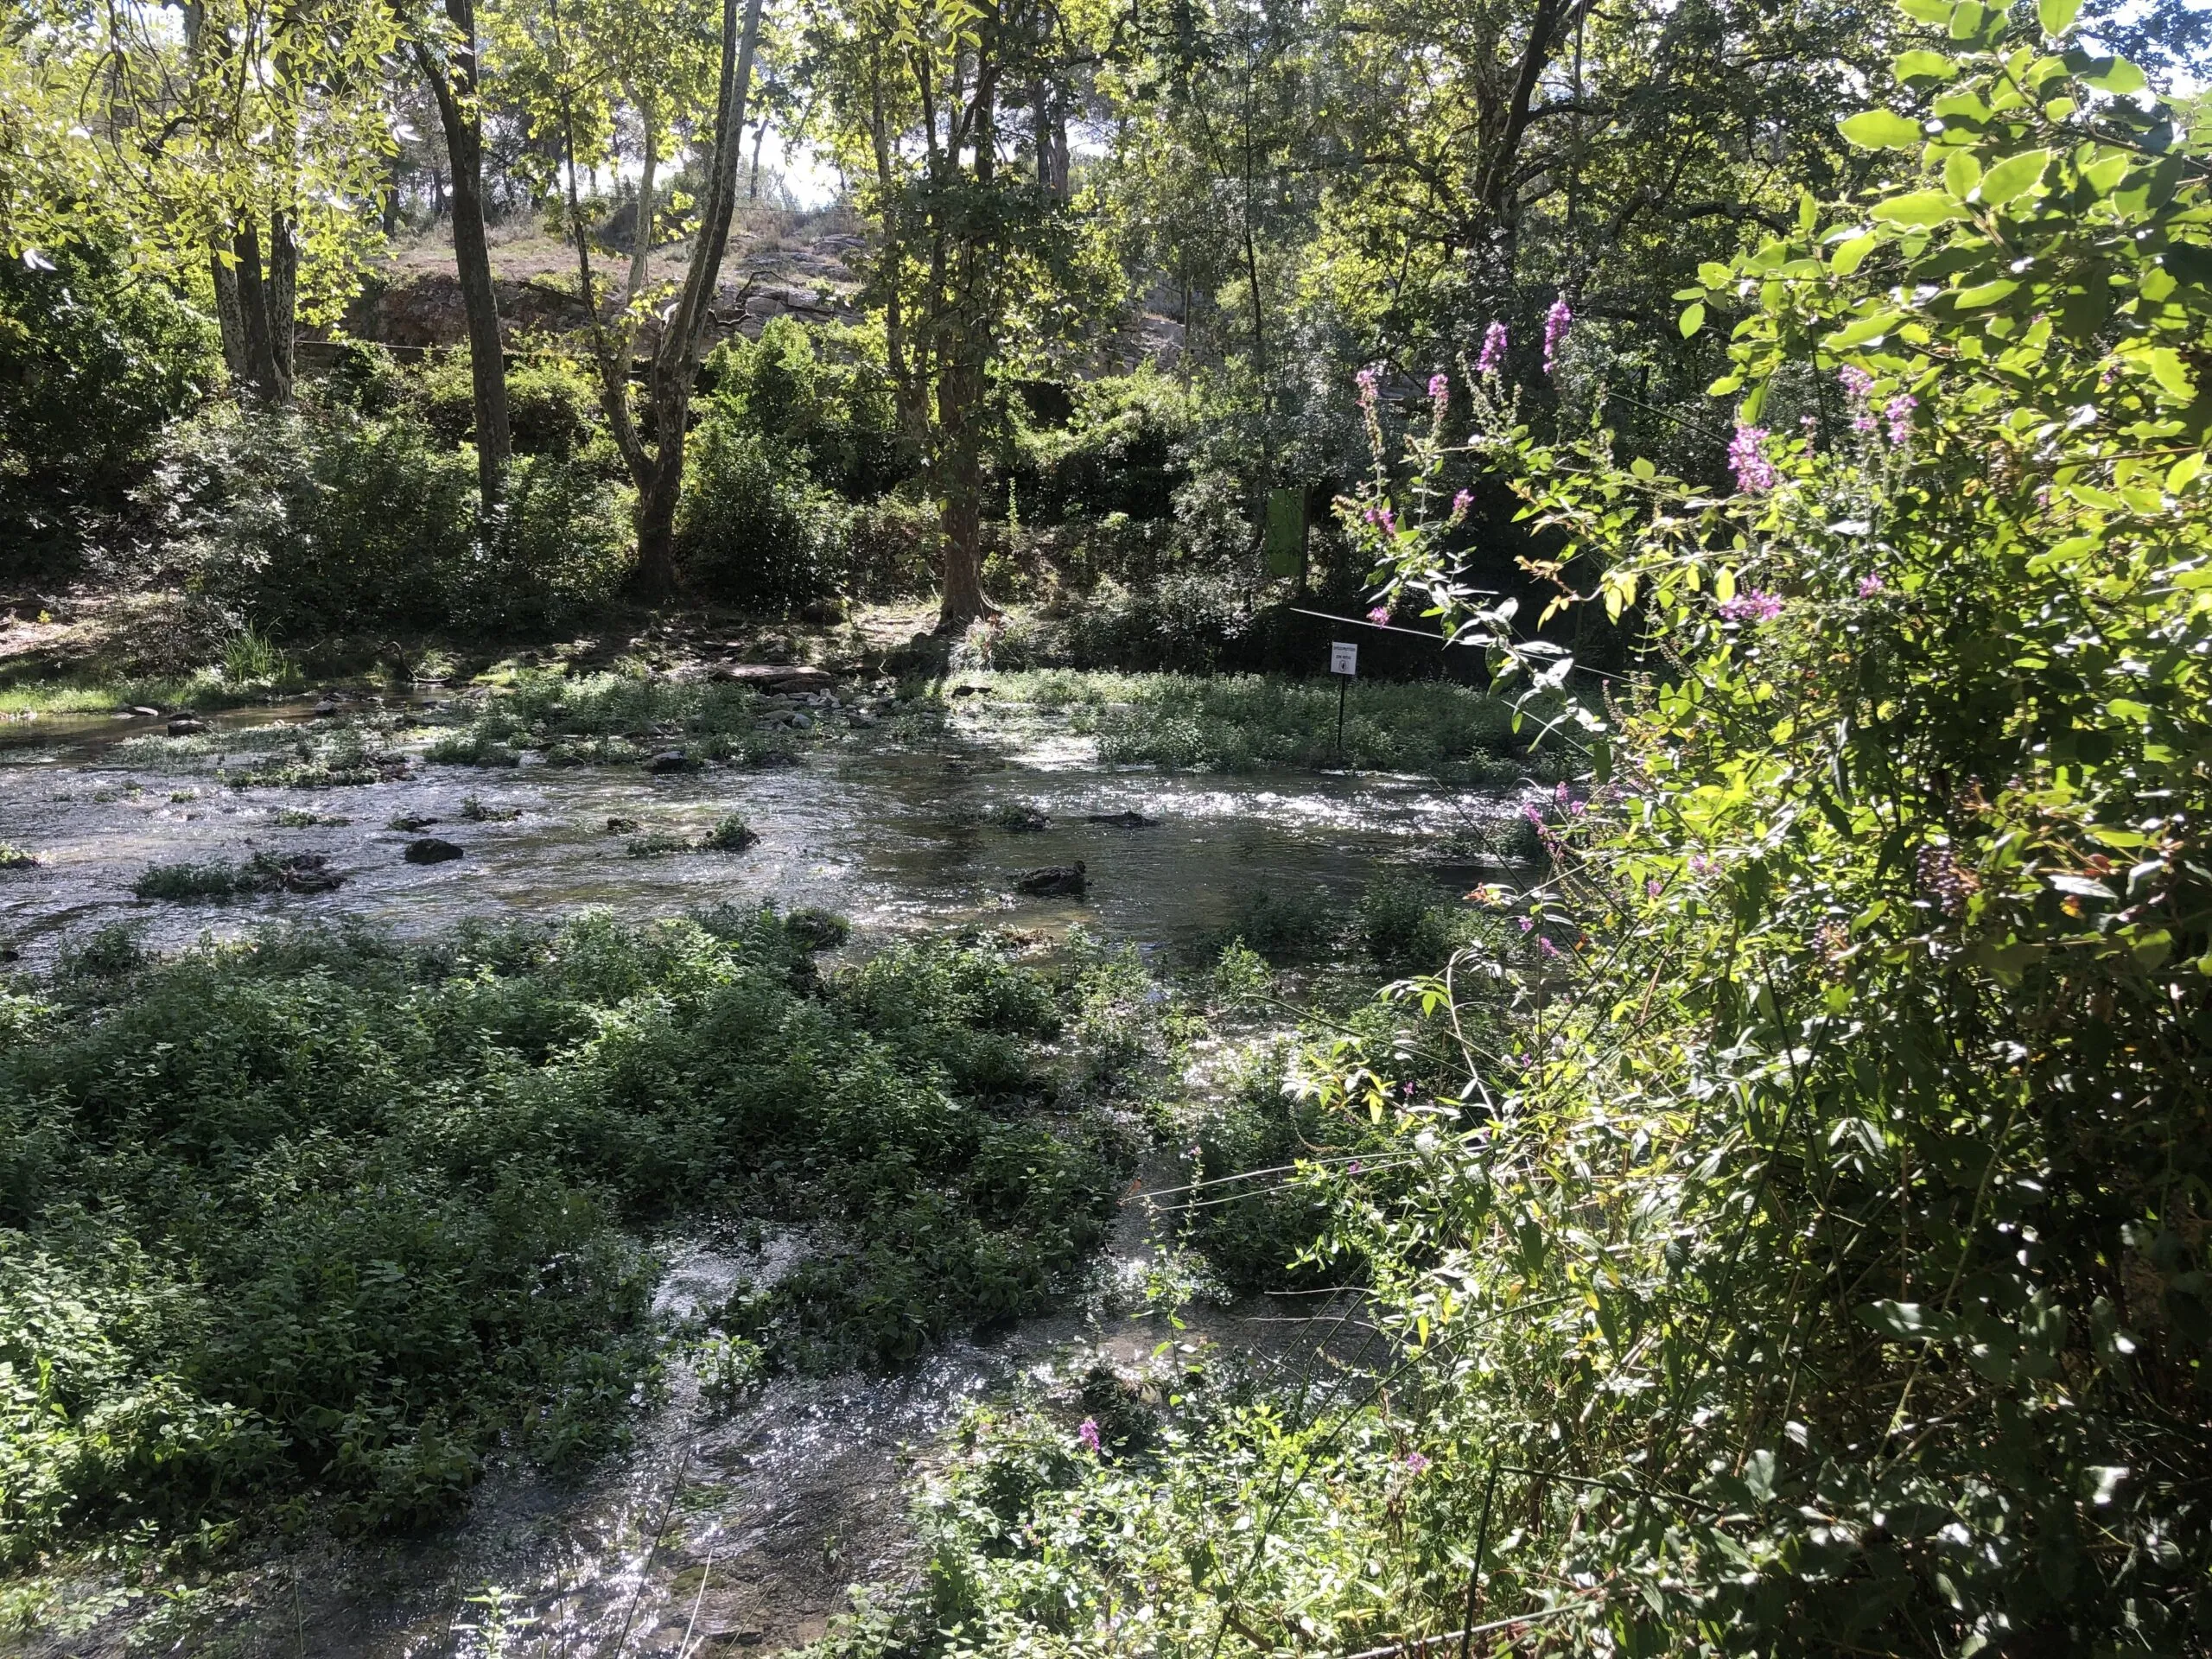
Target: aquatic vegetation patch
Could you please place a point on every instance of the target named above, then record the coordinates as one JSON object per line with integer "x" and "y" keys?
{"x": 615, "y": 720}
{"x": 329, "y": 753}
{"x": 1245, "y": 722}
{"x": 13, "y": 857}
{"x": 327, "y": 1217}
{"x": 263, "y": 872}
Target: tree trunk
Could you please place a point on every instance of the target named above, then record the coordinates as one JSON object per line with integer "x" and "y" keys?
{"x": 676, "y": 365}
{"x": 263, "y": 302}
{"x": 960, "y": 391}
{"x": 454, "y": 85}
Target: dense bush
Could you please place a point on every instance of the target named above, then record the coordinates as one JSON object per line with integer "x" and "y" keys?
{"x": 309, "y": 520}
{"x": 1115, "y": 456}
{"x": 94, "y": 362}
{"x": 754, "y": 529}
{"x": 322, "y": 1214}
{"x": 552, "y": 403}
{"x": 822, "y": 394}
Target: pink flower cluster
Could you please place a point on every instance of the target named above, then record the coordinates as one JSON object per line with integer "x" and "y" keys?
{"x": 1088, "y": 1435}
{"x": 1747, "y": 459}
{"x": 1555, "y": 325}
{"x": 1440, "y": 393}
{"x": 1379, "y": 615}
{"x": 1870, "y": 585}
{"x": 1493, "y": 354}
{"x": 1752, "y": 605}
{"x": 1369, "y": 381}
{"x": 1896, "y": 417}
{"x": 1857, "y": 390}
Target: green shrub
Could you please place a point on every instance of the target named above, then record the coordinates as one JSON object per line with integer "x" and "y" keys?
{"x": 1406, "y": 925}
{"x": 822, "y": 395}
{"x": 305, "y": 520}
{"x": 754, "y": 529}
{"x": 310, "y": 520}
{"x": 560, "y": 545}
{"x": 96, "y": 358}
{"x": 1116, "y": 455}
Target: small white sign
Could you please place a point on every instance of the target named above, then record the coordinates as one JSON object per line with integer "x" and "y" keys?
{"x": 1343, "y": 659}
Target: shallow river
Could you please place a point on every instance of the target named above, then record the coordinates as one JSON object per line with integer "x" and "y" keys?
{"x": 887, "y": 834}
{"x": 721, "y": 1535}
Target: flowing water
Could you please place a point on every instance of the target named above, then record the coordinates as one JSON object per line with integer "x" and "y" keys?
{"x": 715, "y": 1534}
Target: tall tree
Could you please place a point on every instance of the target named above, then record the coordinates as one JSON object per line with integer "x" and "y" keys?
{"x": 975, "y": 262}
{"x": 245, "y": 144}
{"x": 449, "y": 58}
{"x": 637, "y": 46}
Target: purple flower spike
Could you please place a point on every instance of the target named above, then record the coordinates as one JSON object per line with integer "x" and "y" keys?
{"x": 1857, "y": 383}
{"x": 1747, "y": 459}
{"x": 1439, "y": 391}
{"x": 1369, "y": 380}
{"x": 1870, "y": 585}
{"x": 1546, "y": 946}
{"x": 1379, "y": 615}
{"x": 1752, "y": 605}
{"x": 1415, "y": 1464}
{"x": 1461, "y": 502}
{"x": 1089, "y": 1435}
{"x": 1896, "y": 417}
{"x": 1493, "y": 356}
{"x": 1555, "y": 326}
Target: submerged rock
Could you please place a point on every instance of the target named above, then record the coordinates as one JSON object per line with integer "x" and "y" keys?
{"x": 621, "y": 826}
{"x": 410, "y": 823}
{"x": 431, "y": 850}
{"x": 1024, "y": 820}
{"x": 1124, "y": 820}
{"x": 1052, "y": 880}
{"x": 670, "y": 760}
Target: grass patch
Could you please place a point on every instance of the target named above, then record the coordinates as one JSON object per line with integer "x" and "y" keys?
{"x": 325, "y": 1219}
{"x": 329, "y": 753}
{"x": 612, "y": 720}
{"x": 1248, "y": 723}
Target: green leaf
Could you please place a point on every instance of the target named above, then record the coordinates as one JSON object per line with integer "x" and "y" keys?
{"x": 1926, "y": 11}
{"x": 2122, "y": 79}
{"x": 1714, "y": 274}
{"x": 1981, "y": 294}
{"x": 2171, "y": 373}
{"x": 1860, "y": 331}
{"x": 1913, "y": 65}
{"x": 1853, "y": 254}
{"x": 1966, "y": 19}
{"x": 2014, "y": 175}
{"x": 2183, "y": 473}
{"x": 1693, "y": 319}
{"x": 1907, "y": 1320}
{"x": 2057, "y": 16}
{"x": 1918, "y": 207}
{"x": 1880, "y": 129}
{"x": 1962, "y": 172}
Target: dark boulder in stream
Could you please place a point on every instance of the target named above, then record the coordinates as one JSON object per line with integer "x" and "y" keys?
{"x": 410, "y": 823}
{"x": 1053, "y": 881}
{"x": 431, "y": 850}
{"x": 1124, "y": 820}
{"x": 294, "y": 873}
{"x": 186, "y": 725}
{"x": 670, "y": 760}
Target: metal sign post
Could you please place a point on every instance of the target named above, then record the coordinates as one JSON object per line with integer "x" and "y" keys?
{"x": 1343, "y": 662}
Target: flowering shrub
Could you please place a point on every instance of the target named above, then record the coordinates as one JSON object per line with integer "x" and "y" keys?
{"x": 1810, "y": 1255}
